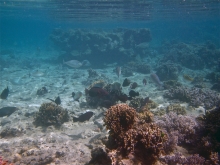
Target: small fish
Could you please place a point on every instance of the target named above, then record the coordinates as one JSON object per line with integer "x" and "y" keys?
{"x": 4, "y": 93}
{"x": 156, "y": 79}
{"x": 73, "y": 63}
{"x": 97, "y": 92}
{"x": 133, "y": 85}
{"x": 7, "y": 111}
{"x": 132, "y": 93}
{"x": 84, "y": 117}
{"x": 57, "y": 100}
{"x": 187, "y": 77}
{"x": 144, "y": 81}
{"x": 118, "y": 71}
{"x": 123, "y": 97}
{"x": 77, "y": 96}
{"x": 126, "y": 82}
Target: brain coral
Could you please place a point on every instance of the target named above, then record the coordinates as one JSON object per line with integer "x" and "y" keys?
{"x": 119, "y": 118}
{"x": 51, "y": 114}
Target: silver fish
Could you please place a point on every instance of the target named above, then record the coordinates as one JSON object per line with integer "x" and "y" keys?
{"x": 73, "y": 63}
{"x": 118, "y": 71}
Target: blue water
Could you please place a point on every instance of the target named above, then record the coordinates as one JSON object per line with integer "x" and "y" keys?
{"x": 30, "y": 23}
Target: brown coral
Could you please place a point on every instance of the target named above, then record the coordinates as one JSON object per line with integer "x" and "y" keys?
{"x": 146, "y": 115}
{"x": 119, "y": 118}
{"x": 145, "y": 141}
{"x": 51, "y": 114}
{"x": 177, "y": 108}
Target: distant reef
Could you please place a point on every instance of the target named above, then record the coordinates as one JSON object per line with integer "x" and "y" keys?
{"x": 192, "y": 56}
{"x": 100, "y": 46}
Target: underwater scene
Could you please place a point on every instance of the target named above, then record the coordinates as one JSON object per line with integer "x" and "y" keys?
{"x": 109, "y": 82}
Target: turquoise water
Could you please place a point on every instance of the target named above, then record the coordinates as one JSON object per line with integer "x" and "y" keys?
{"x": 30, "y": 22}
{"x": 161, "y": 58}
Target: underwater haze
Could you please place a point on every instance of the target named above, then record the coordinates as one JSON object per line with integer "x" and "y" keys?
{"x": 108, "y": 82}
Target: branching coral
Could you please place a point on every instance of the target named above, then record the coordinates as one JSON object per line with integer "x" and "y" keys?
{"x": 142, "y": 141}
{"x": 145, "y": 142}
{"x": 195, "y": 96}
{"x": 184, "y": 127}
{"x": 177, "y": 108}
{"x": 119, "y": 118}
{"x": 51, "y": 114}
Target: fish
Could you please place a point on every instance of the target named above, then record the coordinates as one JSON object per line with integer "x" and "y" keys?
{"x": 144, "y": 81}
{"x": 123, "y": 97}
{"x": 156, "y": 79}
{"x": 187, "y": 77}
{"x": 77, "y": 95}
{"x": 132, "y": 93}
{"x": 84, "y": 117}
{"x": 57, "y": 100}
{"x": 126, "y": 82}
{"x": 97, "y": 92}
{"x": 4, "y": 93}
{"x": 118, "y": 71}
{"x": 7, "y": 111}
{"x": 86, "y": 63}
{"x": 133, "y": 85}
{"x": 73, "y": 63}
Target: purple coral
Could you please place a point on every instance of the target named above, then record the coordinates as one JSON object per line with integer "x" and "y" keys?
{"x": 195, "y": 96}
{"x": 182, "y": 127}
{"x": 178, "y": 158}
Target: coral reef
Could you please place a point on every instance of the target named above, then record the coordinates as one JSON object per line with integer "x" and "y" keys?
{"x": 141, "y": 142}
{"x": 119, "y": 118}
{"x": 146, "y": 115}
{"x": 177, "y": 108}
{"x": 99, "y": 156}
{"x": 103, "y": 45}
{"x": 214, "y": 77}
{"x": 138, "y": 103}
{"x": 168, "y": 71}
{"x": 195, "y": 96}
{"x": 104, "y": 95}
{"x": 93, "y": 77}
{"x": 192, "y": 56}
{"x": 178, "y": 158}
{"x": 51, "y": 114}
{"x": 171, "y": 84}
{"x": 183, "y": 127}
{"x": 11, "y": 132}
{"x": 212, "y": 131}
